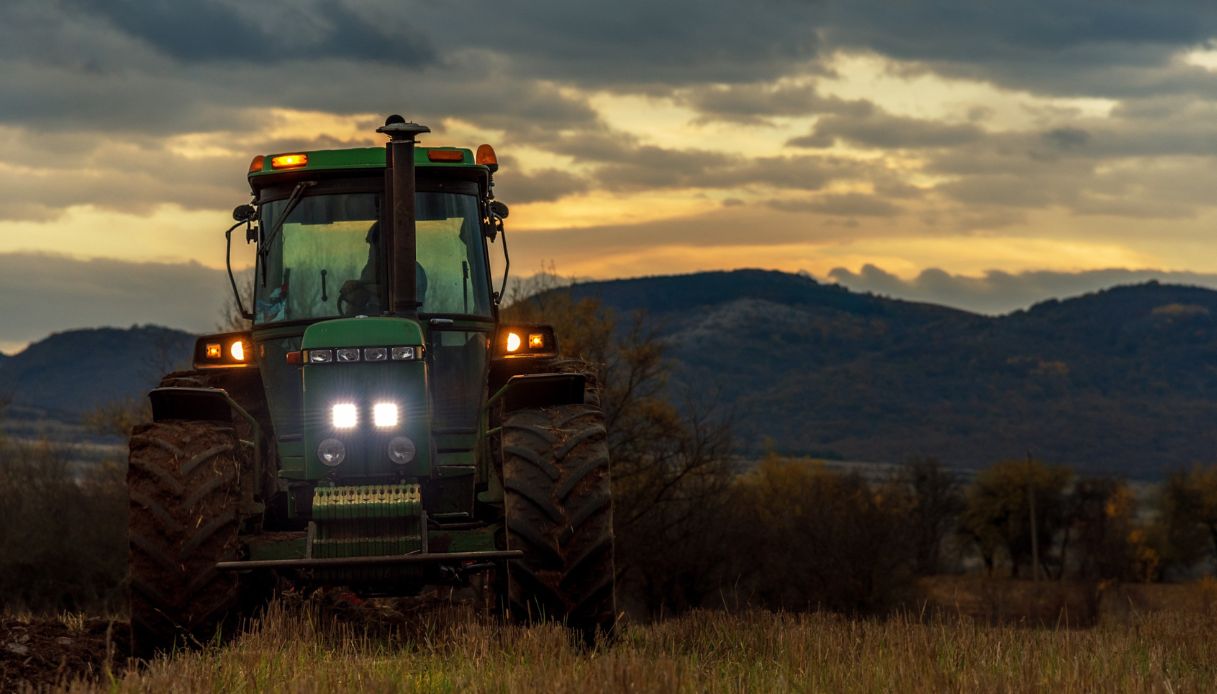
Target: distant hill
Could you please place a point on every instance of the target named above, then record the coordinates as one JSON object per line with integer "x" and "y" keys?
{"x": 1122, "y": 381}
{"x": 69, "y": 373}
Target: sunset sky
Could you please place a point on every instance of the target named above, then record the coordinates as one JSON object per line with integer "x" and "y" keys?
{"x": 980, "y": 154}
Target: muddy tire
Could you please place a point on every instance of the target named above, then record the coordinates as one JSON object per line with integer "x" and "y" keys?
{"x": 558, "y": 503}
{"x": 184, "y": 516}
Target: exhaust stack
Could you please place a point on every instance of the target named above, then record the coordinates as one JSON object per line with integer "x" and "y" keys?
{"x": 403, "y": 235}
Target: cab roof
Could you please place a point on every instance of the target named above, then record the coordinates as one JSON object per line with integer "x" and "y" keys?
{"x": 356, "y": 158}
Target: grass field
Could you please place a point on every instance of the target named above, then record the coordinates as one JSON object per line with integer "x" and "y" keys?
{"x": 448, "y": 650}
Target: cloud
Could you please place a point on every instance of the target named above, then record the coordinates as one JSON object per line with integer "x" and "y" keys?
{"x": 42, "y": 293}
{"x": 841, "y": 205}
{"x": 754, "y": 103}
{"x": 648, "y": 167}
{"x": 639, "y": 45}
{"x": 868, "y": 126}
{"x": 230, "y": 32}
{"x": 131, "y": 104}
{"x": 1073, "y": 47}
{"x": 997, "y": 292}
{"x": 544, "y": 185}
{"x": 1066, "y": 138}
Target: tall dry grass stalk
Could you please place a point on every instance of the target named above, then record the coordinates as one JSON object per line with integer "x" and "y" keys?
{"x": 297, "y": 650}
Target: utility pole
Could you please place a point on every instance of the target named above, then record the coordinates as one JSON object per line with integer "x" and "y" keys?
{"x": 1035, "y": 540}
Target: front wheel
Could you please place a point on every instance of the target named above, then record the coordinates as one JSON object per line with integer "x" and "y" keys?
{"x": 184, "y": 516}
{"x": 558, "y": 499}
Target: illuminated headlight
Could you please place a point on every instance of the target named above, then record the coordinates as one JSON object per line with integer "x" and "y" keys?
{"x": 375, "y": 353}
{"x": 384, "y": 415}
{"x": 405, "y": 353}
{"x": 320, "y": 356}
{"x": 332, "y": 452}
{"x": 401, "y": 450}
{"x": 344, "y": 415}
{"x": 349, "y": 354}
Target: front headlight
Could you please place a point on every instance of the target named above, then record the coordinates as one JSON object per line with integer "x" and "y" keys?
{"x": 344, "y": 415}
{"x": 401, "y": 450}
{"x": 385, "y": 415}
{"x": 513, "y": 342}
{"x": 332, "y": 452}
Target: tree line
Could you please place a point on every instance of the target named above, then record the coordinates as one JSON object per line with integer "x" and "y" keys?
{"x": 698, "y": 527}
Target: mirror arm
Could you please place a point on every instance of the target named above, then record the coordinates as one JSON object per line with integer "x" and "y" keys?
{"x": 246, "y": 314}
{"x": 506, "y": 260}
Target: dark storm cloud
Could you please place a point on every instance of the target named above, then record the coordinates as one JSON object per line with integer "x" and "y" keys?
{"x": 545, "y": 185}
{"x": 43, "y": 174}
{"x": 144, "y": 69}
{"x": 1071, "y": 47}
{"x": 1000, "y": 292}
{"x": 754, "y": 103}
{"x": 1066, "y": 138}
{"x": 868, "y": 126}
{"x": 1117, "y": 167}
{"x": 263, "y": 32}
{"x": 157, "y": 66}
{"x": 42, "y": 293}
{"x": 631, "y": 167}
{"x": 640, "y": 44}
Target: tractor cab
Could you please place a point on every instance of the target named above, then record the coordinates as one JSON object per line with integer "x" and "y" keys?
{"x": 325, "y": 246}
{"x": 322, "y": 253}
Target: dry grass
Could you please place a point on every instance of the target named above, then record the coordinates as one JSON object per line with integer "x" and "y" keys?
{"x": 294, "y": 650}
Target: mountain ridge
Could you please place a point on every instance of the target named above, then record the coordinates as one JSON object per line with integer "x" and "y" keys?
{"x": 1116, "y": 379}
{"x": 1120, "y": 380}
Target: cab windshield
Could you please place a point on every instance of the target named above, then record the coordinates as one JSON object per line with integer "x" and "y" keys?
{"x": 326, "y": 260}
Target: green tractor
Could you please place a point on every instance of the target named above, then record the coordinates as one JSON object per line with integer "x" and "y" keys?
{"x": 379, "y": 427}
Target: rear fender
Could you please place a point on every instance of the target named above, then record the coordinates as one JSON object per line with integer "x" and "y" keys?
{"x": 176, "y": 402}
{"x": 211, "y": 404}
{"x": 541, "y": 390}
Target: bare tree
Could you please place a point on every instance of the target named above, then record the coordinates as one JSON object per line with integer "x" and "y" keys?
{"x": 231, "y": 319}
{"x": 672, "y": 467}
{"x": 934, "y": 506}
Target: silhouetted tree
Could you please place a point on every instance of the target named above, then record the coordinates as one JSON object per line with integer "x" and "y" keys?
{"x": 1106, "y": 541}
{"x": 935, "y": 503}
{"x": 997, "y": 510}
{"x": 1188, "y": 516}
{"x": 672, "y": 468}
{"x": 804, "y": 536}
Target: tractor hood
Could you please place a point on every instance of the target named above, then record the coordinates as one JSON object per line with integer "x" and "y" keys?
{"x": 366, "y": 411}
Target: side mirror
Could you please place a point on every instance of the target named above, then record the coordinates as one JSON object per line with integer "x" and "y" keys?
{"x": 244, "y": 213}
{"x": 498, "y": 209}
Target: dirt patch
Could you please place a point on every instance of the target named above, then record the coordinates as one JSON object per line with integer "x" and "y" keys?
{"x": 38, "y": 654}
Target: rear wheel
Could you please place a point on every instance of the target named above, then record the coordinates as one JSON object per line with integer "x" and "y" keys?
{"x": 558, "y": 500}
{"x": 184, "y": 516}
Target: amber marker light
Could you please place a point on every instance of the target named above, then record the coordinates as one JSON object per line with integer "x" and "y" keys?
{"x": 486, "y": 157}
{"x": 257, "y": 164}
{"x": 231, "y": 350}
{"x": 289, "y": 161}
{"x": 445, "y": 155}
{"x": 513, "y": 342}
{"x": 536, "y": 340}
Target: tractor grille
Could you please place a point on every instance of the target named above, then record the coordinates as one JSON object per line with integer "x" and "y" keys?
{"x": 366, "y": 520}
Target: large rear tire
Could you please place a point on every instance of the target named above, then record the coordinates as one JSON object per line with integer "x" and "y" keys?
{"x": 558, "y": 502}
{"x": 184, "y": 516}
